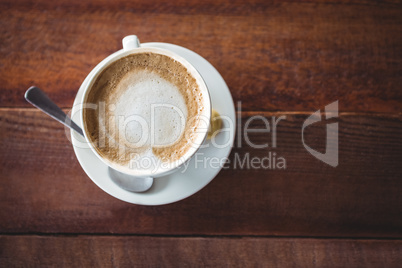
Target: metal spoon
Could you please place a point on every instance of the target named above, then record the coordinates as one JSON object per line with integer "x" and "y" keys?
{"x": 40, "y": 100}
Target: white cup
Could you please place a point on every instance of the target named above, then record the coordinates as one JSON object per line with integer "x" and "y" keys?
{"x": 131, "y": 45}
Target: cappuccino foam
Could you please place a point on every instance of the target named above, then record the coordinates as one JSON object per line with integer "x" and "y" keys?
{"x": 147, "y": 107}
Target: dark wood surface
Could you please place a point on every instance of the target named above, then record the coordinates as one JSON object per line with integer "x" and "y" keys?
{"x": 306, "y": 199}
{"x": 278, "y": 58}
{"x": 300, "y": 56}
{"x": 191, "y": 251}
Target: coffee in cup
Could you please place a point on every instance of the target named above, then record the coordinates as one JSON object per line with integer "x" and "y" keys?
{"x": 147, "y": 110}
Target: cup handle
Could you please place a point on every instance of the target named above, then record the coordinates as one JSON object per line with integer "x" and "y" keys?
{"x": 131, "y": 42}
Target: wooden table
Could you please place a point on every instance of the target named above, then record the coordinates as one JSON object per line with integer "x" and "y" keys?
{"x": 278, "y": 58}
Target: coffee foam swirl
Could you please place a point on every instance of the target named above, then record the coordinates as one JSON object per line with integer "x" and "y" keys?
{"x": 147, "y": 106}
{"x": 146, "y": 95}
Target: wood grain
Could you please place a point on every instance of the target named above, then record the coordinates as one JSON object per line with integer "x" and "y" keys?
{"x": 278, "y": 58}
{"x": 100, "y": 251}
{"x": 275, "y": 56}
{"x": 44, "y": 190}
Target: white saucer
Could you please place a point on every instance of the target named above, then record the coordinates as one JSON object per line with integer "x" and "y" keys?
{"x": 200, "y": 171}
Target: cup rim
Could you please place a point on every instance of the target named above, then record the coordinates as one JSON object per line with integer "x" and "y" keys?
{"x": 105, "y": 63}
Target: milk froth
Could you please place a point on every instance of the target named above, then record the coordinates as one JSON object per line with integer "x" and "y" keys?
{"x": 148, "y": 111}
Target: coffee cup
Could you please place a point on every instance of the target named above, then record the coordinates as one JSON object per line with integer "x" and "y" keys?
{"x": 145, "y": 111}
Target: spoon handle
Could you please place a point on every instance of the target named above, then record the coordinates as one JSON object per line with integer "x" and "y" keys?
{"x": 38, "y": 98}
